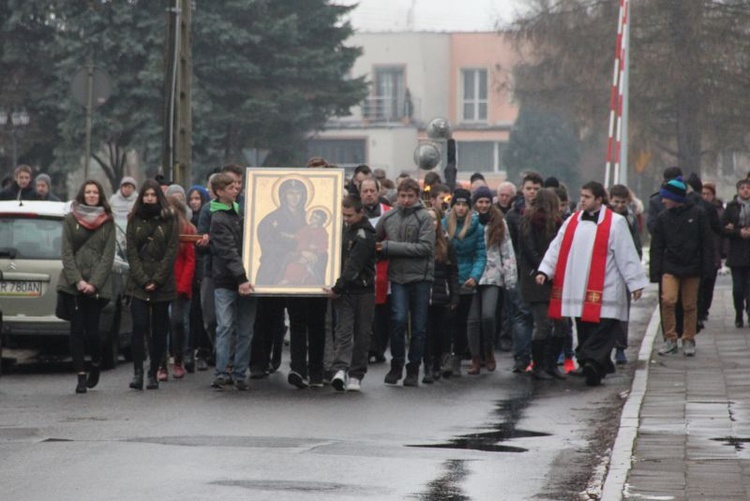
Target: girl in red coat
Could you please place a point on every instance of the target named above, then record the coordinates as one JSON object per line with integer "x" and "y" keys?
{"x": 184, "y": 269}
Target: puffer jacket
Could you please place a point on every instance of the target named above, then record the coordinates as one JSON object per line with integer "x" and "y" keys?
{"x": 408, "y": 238}
{"x": 470, "y": 251}
{"x": 680, "y": 244}
{"x": 152, "y": 246}
{"x": 92, "y": 261}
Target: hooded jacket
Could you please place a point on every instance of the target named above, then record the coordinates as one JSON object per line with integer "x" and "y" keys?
{"x": 408, "y": 238}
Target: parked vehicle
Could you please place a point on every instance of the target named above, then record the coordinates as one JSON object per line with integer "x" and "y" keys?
{"x": 30, "y": 264}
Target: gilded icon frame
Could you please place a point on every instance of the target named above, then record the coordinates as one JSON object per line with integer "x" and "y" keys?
{"x": 293, "y": 229}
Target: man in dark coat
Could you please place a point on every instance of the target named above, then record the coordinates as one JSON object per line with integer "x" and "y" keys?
{"x": 21, "y": 189}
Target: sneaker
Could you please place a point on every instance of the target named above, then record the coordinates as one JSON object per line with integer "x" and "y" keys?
{"x": 240, "y": 385}
{"x": 569, "y": 365}
{"x": 339, "y": 381}
{"x": 688, "y": 347}
{"x": 178, "y": 372}
{"x": 354, "y": 384}
{"x": 316, "y": 382}
{"x": 669, "y": 346}
{"x": 296, "y": 379}
{"x": 201, "y": 364}
{"x": 519, "y": 367}
{"x": 257, "y": 373}
{"x": 620, "y": 358}
{"x": 162, "y": 374}
{"x": 220, "y": 382}
{"x": 412, "y": 379}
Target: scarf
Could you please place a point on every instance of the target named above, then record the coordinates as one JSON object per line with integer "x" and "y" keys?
{"x": 150, "y": 210}
{"x": 592, "y": 303}
{"x": 90, "y": 217}
{"x": 484, "y": 218}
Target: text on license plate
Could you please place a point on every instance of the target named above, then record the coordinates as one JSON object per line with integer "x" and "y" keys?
{"x": 20, "y": 288}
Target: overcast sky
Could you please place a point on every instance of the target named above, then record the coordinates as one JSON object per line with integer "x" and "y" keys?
{"x": 431, "y": 15}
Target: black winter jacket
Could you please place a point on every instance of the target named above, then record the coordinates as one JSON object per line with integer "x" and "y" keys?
{"x": 225, "y": 239}
{"x": 533, "y": 244}
{"x": 739, "y": 248}
{"x": 358, "y": 257}
{"x": 14, "y": 192}
{"x": 681, "y": 244}
{"x": 445, "y": 287}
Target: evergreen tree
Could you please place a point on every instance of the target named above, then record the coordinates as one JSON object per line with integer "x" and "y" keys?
{"x": 544, "y": 142}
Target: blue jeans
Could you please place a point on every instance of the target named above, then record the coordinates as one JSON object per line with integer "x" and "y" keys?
{"x": 413, "y": 297}
{"x": 522, "y": 324}
{"x": 233, "y": 313}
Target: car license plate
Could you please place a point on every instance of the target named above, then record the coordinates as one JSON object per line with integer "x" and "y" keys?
{"x": 22, "y": 288}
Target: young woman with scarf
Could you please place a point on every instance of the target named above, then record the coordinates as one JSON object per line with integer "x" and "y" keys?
{"x": 152, "y": 246}
{"x": 88, "y": 253}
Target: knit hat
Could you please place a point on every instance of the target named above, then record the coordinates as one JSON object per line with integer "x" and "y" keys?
{"x": 175, "y": 188}
{"x": 481, "y": 192}
{"x": 45, "y": 179}
{"x": 461, "y": 195}
{"x": 128, "y": 180}
{"x": 674, "y": 190}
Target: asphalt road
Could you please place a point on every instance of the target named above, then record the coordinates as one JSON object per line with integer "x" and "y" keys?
{"x": 487, "y": 437}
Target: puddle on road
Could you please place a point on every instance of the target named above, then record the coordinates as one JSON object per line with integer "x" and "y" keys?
{"x": 447, "y": 487}
{"x": 737, "y": 442}
{"x": 289, "y": 486}
{"x": 509, "y": 412}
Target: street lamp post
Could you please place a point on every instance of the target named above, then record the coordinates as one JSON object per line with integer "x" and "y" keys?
{"x": 18, "y": 120}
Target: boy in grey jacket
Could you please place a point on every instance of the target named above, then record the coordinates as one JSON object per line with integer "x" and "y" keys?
{"x": 406, "y": 237}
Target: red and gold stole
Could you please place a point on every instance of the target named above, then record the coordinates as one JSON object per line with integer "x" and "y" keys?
{"x": 592, "y": 303}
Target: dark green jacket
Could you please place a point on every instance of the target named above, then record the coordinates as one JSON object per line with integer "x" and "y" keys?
{"x": 152, "y": 246}
{"x": 92, "y": 262}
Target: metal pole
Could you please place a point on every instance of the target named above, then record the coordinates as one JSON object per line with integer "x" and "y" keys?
{"x": 625, "y": 102}
{"x": 89, "y": 118}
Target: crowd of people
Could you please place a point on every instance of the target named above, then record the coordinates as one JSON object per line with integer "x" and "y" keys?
{"x": 440, "y": 277}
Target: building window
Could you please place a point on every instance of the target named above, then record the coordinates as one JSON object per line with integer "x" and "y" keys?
{"x": 389, "y": 101}
{"x": 341, "y": 152}
{"x": 474, "y": 95}
{"x": 481, "y": 156}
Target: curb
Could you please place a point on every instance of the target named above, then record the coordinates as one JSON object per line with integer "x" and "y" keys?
{"x": 621, "y": 459}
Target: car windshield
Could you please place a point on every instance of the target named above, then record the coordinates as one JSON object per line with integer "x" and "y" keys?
{"x": 30, "y": 237}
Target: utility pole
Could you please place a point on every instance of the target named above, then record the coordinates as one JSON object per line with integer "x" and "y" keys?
{"x": 177, "y": 143}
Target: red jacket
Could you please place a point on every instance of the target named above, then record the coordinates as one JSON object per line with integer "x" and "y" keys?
{"x": 184, "y": 266}
{"x": 381, "y": 270}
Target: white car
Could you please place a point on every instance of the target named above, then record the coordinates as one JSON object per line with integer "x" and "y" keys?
{"x": 30, "y": 264}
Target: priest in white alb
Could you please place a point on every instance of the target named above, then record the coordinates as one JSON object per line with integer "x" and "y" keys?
{"x": 593, "y": 265}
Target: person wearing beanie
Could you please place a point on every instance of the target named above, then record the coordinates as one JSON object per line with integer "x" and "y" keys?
{"x": 551, "y": 182}
{"x": 466, "y": 235}
{"x": 481, "y": 192}
{"x": 123, "y": 199}
{"x": 44, "y": 188}
{"x": 499, "y": 273}
{"x": 674, "y": 190}
{"x": 681, "y": 255}
{"x": 654, "y": 202}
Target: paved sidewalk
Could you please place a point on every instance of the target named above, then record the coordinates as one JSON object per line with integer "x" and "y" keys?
{"x": 685, "y": 429}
